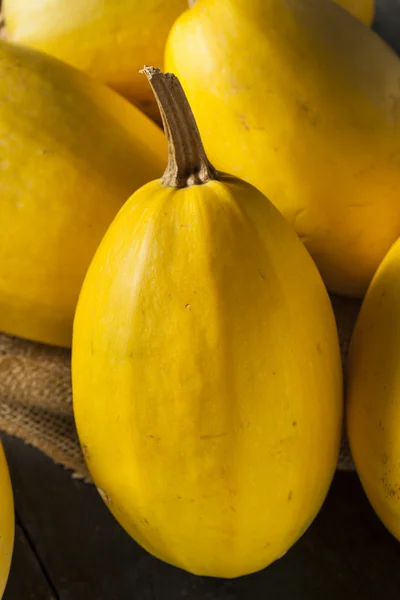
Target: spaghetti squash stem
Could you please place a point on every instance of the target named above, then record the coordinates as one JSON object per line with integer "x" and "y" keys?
{"x": 187, "y": 161}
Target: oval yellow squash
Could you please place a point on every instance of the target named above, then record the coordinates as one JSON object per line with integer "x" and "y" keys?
{"x": 6, "y": 522}
{"x": 373, "y": 392}
{"x": 206, "y": 370}
{"x": 71, "y": 151}
{"x": 303, "y": 102}
{"x": 364, "y": 10}
{"x": 109, "y": 39}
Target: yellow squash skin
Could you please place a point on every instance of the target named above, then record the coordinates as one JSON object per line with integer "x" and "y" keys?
{"x": 6, "y": 522}
{"x": 303, "y": 102}
{"x": 373, "y": 392}
{"x": 364, "y": 10}
{"x": 206, "y": 377}
{"x": 71, "y": 152}
{"x": 109, "y": 39}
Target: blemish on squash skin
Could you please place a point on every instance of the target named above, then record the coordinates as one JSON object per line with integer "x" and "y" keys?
{"x": 188, "y": 307}
{"x": 105, "y": 497}
{"x": 300, "y": 212}
{"x": 212, "y": 436}
{"x": 290, "y": 495}
{"x": 307, "y": 111}
{"x": 236, "y": 87}
{"x": 243, "y": 121}
{"x": 391, "y": 489}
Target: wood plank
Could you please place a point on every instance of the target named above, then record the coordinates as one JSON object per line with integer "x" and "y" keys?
{"x": 27, "y": 581}
{"x": 346, "y": 553}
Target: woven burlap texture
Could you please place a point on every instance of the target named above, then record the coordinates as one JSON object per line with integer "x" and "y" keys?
{"x": 36, "y": 397}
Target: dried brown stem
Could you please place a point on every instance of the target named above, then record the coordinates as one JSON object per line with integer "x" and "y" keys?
{"x": 187, "y": 161}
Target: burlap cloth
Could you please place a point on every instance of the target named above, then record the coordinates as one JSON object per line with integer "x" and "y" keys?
{"x": 35, "y": 394}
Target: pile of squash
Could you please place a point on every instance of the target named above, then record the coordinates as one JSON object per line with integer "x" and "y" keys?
{"x": 190, "y": 269}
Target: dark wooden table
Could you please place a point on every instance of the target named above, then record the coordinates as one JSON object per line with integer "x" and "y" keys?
{"x": 69, "y": 547}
